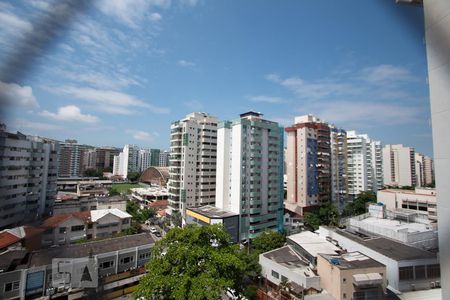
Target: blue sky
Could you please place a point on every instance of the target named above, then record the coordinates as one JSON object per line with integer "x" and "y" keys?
{"x": 124, "y": 70}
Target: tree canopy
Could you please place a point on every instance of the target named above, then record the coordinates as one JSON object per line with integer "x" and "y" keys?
{"x": 192, "y": 263}
{"x": 326, "y": 214}
{"x": 133, "y": 176}
{"x": 359, "y": 204}
{"x": 138, "y": 214}
{"x": 268, "y": 240}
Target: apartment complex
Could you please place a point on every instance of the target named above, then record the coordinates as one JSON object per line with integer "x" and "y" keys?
{"x": 365, "y": 164}
{"x": 148, "y": 158}
{"x": 424, "y": 170}
{"x": 192, "y": 168}
{"x": 164, "y": 158}
{"x": 316, "y": 164}
{"x": 127, "y": 161}
{"x": 399, "y": 167}
{"x": 339, "y": 169}
{"x": 72, "y": 158}
{"x": 250, "y": 172}
{"x": 28, "y": 174}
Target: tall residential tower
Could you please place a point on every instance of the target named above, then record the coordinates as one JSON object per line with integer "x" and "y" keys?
{"x": 250, "y": 172}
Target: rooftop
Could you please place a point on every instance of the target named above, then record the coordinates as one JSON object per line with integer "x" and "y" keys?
{"x": 352, "y": 260}
{"x": 288, "y": 258}
{"x": 7, "y": 239}
{"x": 397, "y": 225}
{"x": 151, "y": 191}
{"x": 212, "y": 212}
{"x": 313, "y": 243}
{"x": 44, "y": 257}
{"x": 98, "y": 214}
{"x": 389, "y": 248}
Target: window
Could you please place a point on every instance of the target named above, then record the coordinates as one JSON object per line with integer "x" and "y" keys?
{"x": 344, "y": 296}
{"x": 106, "y": 264}
{"x": 126, "y": 260}
{"x": 344, "y": 280}
{"x": 433, "y": 271}
{"x": 144, "y": 255}
{"x": 126, "y": 221}
{"x": 420, "y": 272}
{"x": 406, "y": 273}
{"x": 62, "y": 230}
{"x": 89, "y": 226}
{"x": 77, "y": 228}
{"x": 283, "y": 278}
{"x": 12, "y": 286}
{"x": 275, "y": 274}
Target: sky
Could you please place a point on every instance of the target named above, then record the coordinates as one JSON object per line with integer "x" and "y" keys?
{"x": 123, "y": 70}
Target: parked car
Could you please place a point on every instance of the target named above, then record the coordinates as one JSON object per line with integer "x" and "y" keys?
{"x": 153, "y": 230}
{"x": 158, "y": 234}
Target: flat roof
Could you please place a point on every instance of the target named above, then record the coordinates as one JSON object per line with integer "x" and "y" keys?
{"x": 151, "y": 191}
{"x": 313, "y": 243}
{"x": 287, "y": 257}
{"x": 45, "y": 256}
{"x": 397, "y": 225}
{"x": 212, "y": 212}
{"x": 389, "y": 248}
{"x": 352, "y": 260}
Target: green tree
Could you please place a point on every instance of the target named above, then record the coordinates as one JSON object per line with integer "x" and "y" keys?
{"x": 93, "y": 173}
{"x": 133, "y": 176}
{"x": 268, "y": 240}
{"x": 359, "y": 205}
{"x": 192, "y": 263}
{"x": 311, "y": 221}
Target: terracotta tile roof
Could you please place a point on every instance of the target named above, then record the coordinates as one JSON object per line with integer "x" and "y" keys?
{"x": 31, "y": 231}
{"x": 7, "y": 239}
{"x": 55, "y": 220}
{"x": 159, "y": 203}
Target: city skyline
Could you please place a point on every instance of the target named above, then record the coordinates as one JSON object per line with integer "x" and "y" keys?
{"x": 87, "y": 85}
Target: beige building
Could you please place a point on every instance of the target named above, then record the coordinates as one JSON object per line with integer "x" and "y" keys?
{"x": 192, "y": 170}
{"x": 71, "y": 227}
{"x": 352, "y": 276}
{"x": 421, "y": 200}
{"x": 399, "y": 168}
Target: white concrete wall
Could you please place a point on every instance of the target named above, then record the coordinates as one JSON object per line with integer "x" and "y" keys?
{"x": 223, "y": 169}
{"x": 437, "y": 33}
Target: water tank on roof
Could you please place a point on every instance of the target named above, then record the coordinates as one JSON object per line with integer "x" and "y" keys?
{"x": 335, "y": 261}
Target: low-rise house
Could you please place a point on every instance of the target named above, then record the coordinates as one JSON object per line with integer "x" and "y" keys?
{"x": 70, "y": 227}
{"x": 285, "y": 266}
{"x": 75, "y": 204}
{"x": 407, "y": 268}
{"x": 352, "y": 276}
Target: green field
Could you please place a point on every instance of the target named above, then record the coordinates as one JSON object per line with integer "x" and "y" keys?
{"x": 124, "y": 187}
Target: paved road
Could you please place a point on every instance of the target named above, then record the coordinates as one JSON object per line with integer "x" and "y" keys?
{"x": 146, "y": 228}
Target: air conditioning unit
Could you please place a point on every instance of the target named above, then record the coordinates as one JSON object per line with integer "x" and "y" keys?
{"x": 432, "y": 285}
{"x": 438, "y": 284}
{"x": 60, "y": 289}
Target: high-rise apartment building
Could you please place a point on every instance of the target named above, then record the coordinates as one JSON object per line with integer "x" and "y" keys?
{"x": 339, "y": 172}
{"x": 315, "y": 164}
{"x": 148, "y": 158}
{"x": 105, "y": 157}
{"x": 399, "y": 167}
{"x": 192, "y": 166}
{"x": 127, "y": 161}
{"x": 71, "y": 158}
{"x": 164, "y": 158}
{"x": 250, "y": 172}
{"x": 28, "y": 174}
{"x": 424, "y": 170}
{"x": 365, "y": 165}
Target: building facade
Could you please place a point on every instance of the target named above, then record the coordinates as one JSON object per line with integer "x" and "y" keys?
{"x": 148, "y": 158}
{"x": 250, "y": 172}
{"x": 424, "y": 170}
{"x": 72, "y": 158}
{"x": 127, "y": 161}
{"x": 164, "y": 158}
{"x": 28, "y": 174}
{"x": 192, "y": 167}
{"x": 316, "y": 165}
{"x": 399, "y": 167}
{"x": 365, "y": 164}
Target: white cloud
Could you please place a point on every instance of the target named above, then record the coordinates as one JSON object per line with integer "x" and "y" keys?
{"x": 366, "y": 113}
{"x": 11, "y": 22}
{"x": 185, "y": 63}
{"x": 20, "y": 124}
{"x": 70, "y": 113}
{"x": 386, "y": 73}
{"x": 266, "y": 99}
{"x": 317, "y": 89}
{"x": 116, "y": 100}
{"x": 140, "y": 135}
{"x": 12, "y": 94}
{"x": 130, "y": 12}
{"x": 96, "y": 79}
{"x": 39, "y": 4}
{"x": 155, "y": 17}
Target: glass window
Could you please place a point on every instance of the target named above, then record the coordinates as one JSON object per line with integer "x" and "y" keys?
{"x": 406, "y": 273}
{"x": 420, "y": 272}
{"x": 275, "y": 274}
{"x": 433, "y": 271}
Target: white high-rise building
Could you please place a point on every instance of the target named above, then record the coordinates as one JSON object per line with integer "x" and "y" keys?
{"x": 339, "y": 172}
{"x": 192, "y": 166}
{"x": 424, "y": 170}
{"x": 250, "y": 172}
{"x": 144, "y": 159}
{"x": 127, "y": 161}
{"x": 164, "y": 158}
{"x": 364, "y": 164}
{"x": 399, "y": 167}
{"x": 28, "y": 174}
